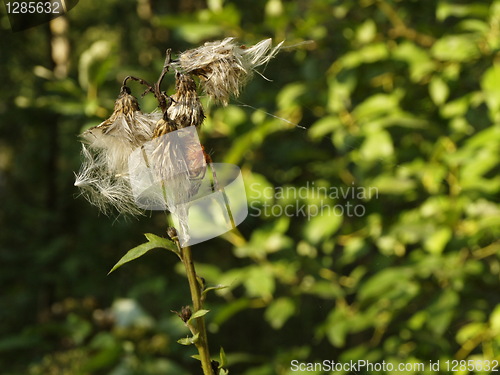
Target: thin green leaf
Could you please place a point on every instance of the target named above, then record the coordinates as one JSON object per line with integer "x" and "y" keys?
{"x": 223, "y": 359}
{"x": 138, "y": 251}
{"x": 134, "y": 253}
{"x": 161, "y": 242}
{"x": 198, "y": 314}
{"x": 217, "y": 287}
{"x": 189, "y": 340}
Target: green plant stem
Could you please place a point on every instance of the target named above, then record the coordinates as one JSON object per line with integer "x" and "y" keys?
{"x": 196, "y": 296}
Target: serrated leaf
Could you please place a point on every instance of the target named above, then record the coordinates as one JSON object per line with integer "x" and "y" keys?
{"x": 189, "y": 340}
{"x": 138, "y": 251}
{"x": 217, "y": 287}
{"x": 223, "y": 359}
{"x": 198, "y": 314}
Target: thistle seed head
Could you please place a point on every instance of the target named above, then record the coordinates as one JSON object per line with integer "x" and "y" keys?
{"x": 224, "y": 67}
{"x": 176, "y": 161}
{"x": 103, "y": 176}
{"x": 102, "y": 188}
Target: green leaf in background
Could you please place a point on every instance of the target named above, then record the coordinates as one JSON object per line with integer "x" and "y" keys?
{"x": 376, "y": 106}
{"x": 441, "y": 311}
{"x": 470, "y": 332}
{"x": 290, "y": 94}
{"x": 366, "y": 32}
{"x": 321, "y": 227}
{"x": 323, "y": 126}
{"x": 340, "y": 89}
{"x": 337, "y": 326}
{"x": 395, "y": 284}
{"x": 95, "y": 63}
{"x": 389, "y": 184}
{"x": 490, "y": 85}
{"x": 278, "y": 312}
{"x": 455, "y": 9}
{"x": 460, "y": 48}
{"x": 438, "y": 89}
{"x": 196, "y": 32}
{"x": 495, "y": 320}
{"x": 259, "y": 282}
{"x": 377, "y": 146}
{"x": 437, "y": 241}
{"x": 418, "y": 59}
{"x": 368, "y": 54}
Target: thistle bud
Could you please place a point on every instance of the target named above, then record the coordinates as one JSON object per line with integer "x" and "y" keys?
{"x": 185, "y": 313}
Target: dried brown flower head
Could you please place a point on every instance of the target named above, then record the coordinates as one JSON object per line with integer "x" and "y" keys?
{"x": 186, "y": 108}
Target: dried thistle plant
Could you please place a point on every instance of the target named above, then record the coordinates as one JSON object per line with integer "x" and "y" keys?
{"x": 224, "y": 67}
{"x": 161, "y": 154}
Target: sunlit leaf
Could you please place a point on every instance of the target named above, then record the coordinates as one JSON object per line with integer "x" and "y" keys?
{"x": 437, "y": 241}
{"x": 459, "y": 48}
{"x": 259, "y": 282}
{"x": 495, "y": 320}
{"x": 377, "y": 146}
{"x": 161, "y": 242}
{"x": 438, "y": 90}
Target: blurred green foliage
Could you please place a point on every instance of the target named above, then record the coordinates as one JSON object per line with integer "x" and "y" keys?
{"x": 399, "y": 96}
